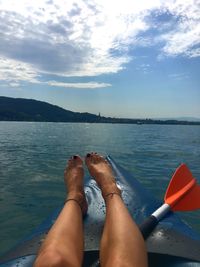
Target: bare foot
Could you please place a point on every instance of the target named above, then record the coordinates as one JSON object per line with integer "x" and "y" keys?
{"x": 101, "y": 171}
{"x": 73, "y": 177}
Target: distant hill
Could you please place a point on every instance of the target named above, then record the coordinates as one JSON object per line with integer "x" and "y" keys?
{"x": 181, "y": 119}
{"x": 20, "y": 109}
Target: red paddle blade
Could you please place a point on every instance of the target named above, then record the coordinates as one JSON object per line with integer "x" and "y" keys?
{"x": 183, "y": 193}
{"x": 190, "y": 201}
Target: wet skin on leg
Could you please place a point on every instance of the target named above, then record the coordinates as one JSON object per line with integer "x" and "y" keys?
{"x": 122, "y": 243}
{"x": 64, "y": 244}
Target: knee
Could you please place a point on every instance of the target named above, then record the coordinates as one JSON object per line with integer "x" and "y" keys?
{"x": 51, "y": 258}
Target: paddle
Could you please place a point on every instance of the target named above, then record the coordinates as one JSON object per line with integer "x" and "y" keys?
{"x": 183, "y": 194}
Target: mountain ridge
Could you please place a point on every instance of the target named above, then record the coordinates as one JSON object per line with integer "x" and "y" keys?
{"x": 21, "y": 109}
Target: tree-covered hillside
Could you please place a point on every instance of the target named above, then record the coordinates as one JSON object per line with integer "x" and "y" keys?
{"x": 18, "y": 109}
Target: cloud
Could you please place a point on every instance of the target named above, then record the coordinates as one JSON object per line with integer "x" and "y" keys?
{"x": 184, "y": 37}
{"x": 91, "y": 85}
{"x": 13, "y": 73}
{"x": 194, "y": 52}
{"x": 183, "y": 40}
{"x": 14, "y": 84}
{"x": 179, "y": 76}
{"x": 91, "y": 37}
{"x": 145, "y": 68}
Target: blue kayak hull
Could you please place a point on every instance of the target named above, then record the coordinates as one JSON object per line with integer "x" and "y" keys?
{"x": 172, "y": 243}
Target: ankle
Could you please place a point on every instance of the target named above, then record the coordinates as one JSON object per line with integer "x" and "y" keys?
{"x": 110, "y": 192}
{"x": 110, "y": 195}
{"x": 76, "y": 194}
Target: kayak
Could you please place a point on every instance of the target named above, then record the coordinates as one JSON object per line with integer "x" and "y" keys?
{"x": 171, "y": 244}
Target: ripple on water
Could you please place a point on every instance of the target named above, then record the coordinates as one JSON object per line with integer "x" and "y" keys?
{"x": 33, "y": 157}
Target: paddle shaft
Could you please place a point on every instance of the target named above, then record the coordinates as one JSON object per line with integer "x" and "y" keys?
{"x": 150, "y": 223}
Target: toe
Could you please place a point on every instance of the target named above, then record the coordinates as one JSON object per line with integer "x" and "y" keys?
{"x": 74, "y": 161}
{"x": 98, "y": 158}
{"x": 69, "y": 163}
{"x": 94, "y": 158}
{"x": 89, "y": 158}
{"x": 78, "y": 159}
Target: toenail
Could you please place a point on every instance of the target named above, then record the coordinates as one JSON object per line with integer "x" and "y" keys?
{"x": 74, "y": 157}
{"x": 88, "y": 155}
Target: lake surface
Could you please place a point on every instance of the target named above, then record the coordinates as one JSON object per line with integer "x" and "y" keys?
{"x": 33, "y": 157}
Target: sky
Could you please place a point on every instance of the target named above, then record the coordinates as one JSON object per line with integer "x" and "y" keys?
{"x": 130, "y": 59}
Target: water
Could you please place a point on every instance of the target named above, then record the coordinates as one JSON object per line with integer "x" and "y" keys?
{"x": 33, "y": 157}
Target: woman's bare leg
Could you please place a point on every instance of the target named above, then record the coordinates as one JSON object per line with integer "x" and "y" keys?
{"x": 64, "y": 243}
{"x": 122, "y": 243}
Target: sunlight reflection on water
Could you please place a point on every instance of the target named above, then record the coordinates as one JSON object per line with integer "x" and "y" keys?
{"x": 33, "y": 157}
